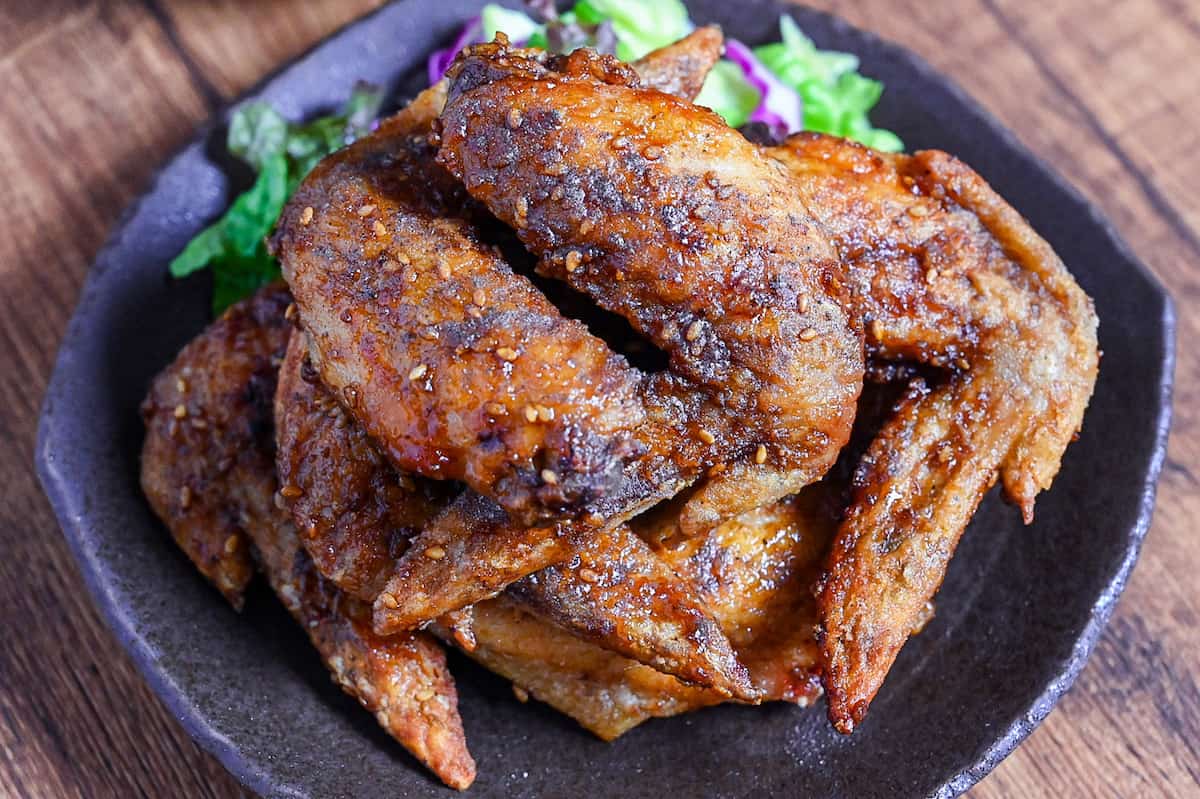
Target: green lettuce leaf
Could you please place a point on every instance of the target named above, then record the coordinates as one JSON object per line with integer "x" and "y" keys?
{"x": 727, "y": 92}
{"x": 640, "y": 26}
{"x": 836, "y": 98}
{"x": 282, "y": 154}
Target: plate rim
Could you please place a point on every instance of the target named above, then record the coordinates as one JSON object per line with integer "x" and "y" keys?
{"x": 252, "y": 772}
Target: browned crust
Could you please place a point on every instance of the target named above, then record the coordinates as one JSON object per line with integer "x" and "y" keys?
{"x": 231, "y": 377}
{"x": 355, "y": 514}
{"x": 208, "y": 418}
{"x": 680, "y": 68}
{"x": 948, "y": 274}
{"x": 661, "y": 213}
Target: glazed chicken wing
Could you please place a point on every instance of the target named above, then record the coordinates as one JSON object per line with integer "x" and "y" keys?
{"x": 357, "y": 515}
{"x": 208, "y": 420}
{"x": 223, "y": 450}
{"x": 661, "y": 213}
{"x": 945, "y": 273}
{"x": 453, "y": 340}
{"x": 755, "y": 573}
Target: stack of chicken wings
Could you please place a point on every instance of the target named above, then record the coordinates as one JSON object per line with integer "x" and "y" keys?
{"x": 439, "y": 431}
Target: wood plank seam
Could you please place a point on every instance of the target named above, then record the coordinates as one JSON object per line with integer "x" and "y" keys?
{"x": 1166, "y": 209}
{"x": 213, "y": 99}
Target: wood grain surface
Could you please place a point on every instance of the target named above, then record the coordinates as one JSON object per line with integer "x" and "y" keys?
{"x": 94, "y": 95}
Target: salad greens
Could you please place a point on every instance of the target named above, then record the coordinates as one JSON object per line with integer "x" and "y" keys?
{"x": 789, "y": 85}
{"x": 281, "y": 153}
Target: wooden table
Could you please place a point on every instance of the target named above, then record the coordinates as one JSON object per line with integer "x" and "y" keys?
{"x": 94, "y": 95}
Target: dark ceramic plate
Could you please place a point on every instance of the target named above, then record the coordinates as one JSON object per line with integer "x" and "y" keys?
{"x": 1020, "y": 610}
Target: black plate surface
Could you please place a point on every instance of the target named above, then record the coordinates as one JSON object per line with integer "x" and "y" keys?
{"x": 1019, "y": 612}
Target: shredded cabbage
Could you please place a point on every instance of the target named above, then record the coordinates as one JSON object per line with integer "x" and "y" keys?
{"x": 789, "y": 85}
{"x": 779, "y": 107}
{"x": 836, "y": 98}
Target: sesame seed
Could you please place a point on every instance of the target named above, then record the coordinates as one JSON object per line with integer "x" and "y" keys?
{"x": 694, "y": 330}
{"x": 367, "y": 209}
{"x": 291, "y": 491}
{"x": 963, "y": 363}
{"x": 443, "y": 269}
{"x": 198, "y": 423}
{"x": 290, "y": 313}
{"x": 418, "y": 372}
{"x": 388, "y": 600}
{"x": 545, "y": 414}
{"x": 585, "y": 227}
{"x": 180, "y": 411}
{"x": 231, "y": 544}
{"x": 706, "y": 436}
{"x": 802, "y": 305}
{"x": 574, "y": 259}
{"x": 514, "y": 118}
{"x": 944, "y": 453}
{"x": 185, "y": 497}
{"x": 507, "y": 353}
{"x": 588, "y": 575}
{"x": 522, "y": 206}
{"x": 760, "y": 454}
{"x": 557, "y": 193}
{"x": 918, "y": 211}
{"x": 425, "y": 695}
{"x": 549, "y": 477}
{"x": 306, "y": 215}
{"x": 479, "y": 297}
{"x": 808, "y": 334}
{"x": 531, "y": 414}
{"x": 181, "y": 385}
{"x": 653, "y": 152}
{"x": 876, "y": 329}
{"x": 380, "y": 229}
{"x": 520, "y": 693}
{"x": 435, "y": 553}
{"x": 496, "y": 409}
{"x": 931, "y": 275}
{"x": 594, "y": 519}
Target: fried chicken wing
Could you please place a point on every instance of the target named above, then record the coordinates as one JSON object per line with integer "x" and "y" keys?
{"x": 680, "y": 68}
{"x": 755, "y": 573}
{"x": 661, "y": 213}
{"x": 355, "y": 514}
{"x": 358, "y": 515}
{"x": 945, "y": 273}
{"x": 228, "y": 376}
{"x": 208, "y": 420}
{"x": 616, "y": 592}
{"x": 458, "y": 367}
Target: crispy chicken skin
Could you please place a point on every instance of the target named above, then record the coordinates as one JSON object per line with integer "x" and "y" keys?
{"x": 434, "y": 344}
{"x": 616, "y": 592}
{"x": 495, "y": 551}
{"x": 755, "y": 573}
{"x": 680, "y": 68}
{"x": 208, "y": 421}
{"x": 229, "y": 375}
{"x": 944, "y": 272}
{"x": 663, "y": 214}
{"x": 355, "y": 514}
